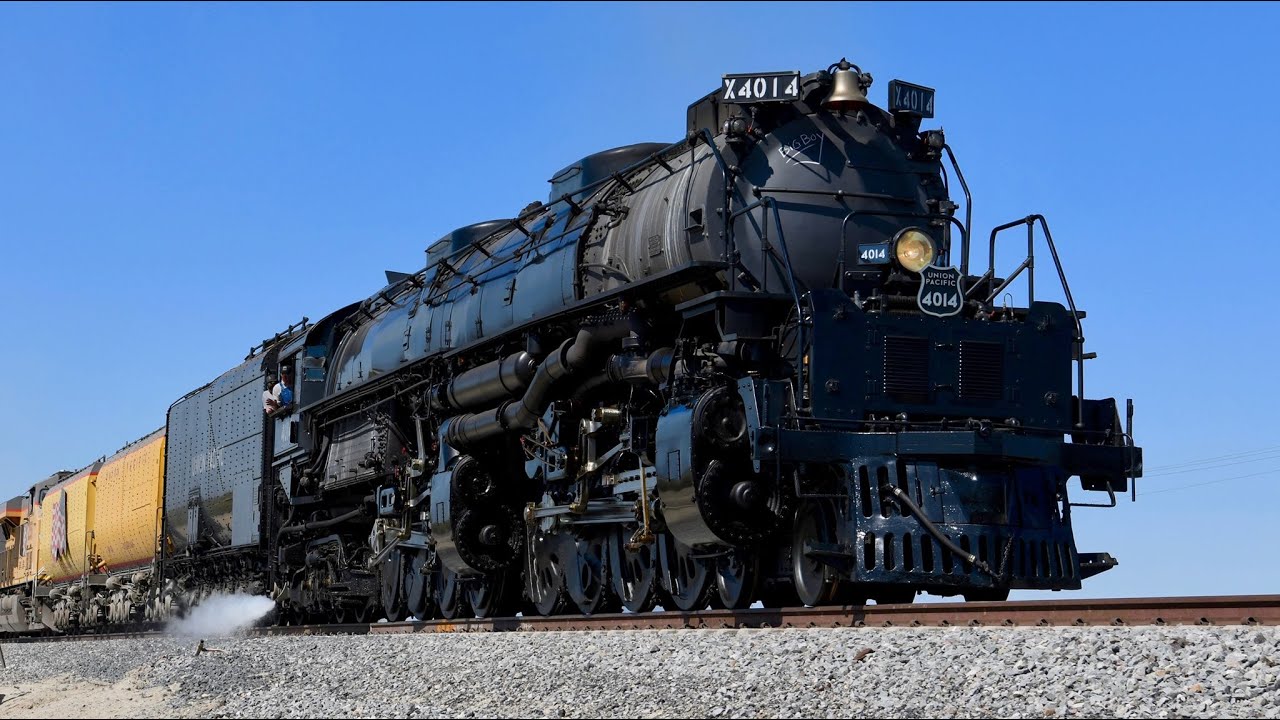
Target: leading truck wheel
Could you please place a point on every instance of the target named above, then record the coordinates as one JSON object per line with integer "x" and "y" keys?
{"x": 815, "y": 583}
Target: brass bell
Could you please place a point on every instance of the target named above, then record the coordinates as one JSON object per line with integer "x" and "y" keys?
{"x": 849, "y": 88}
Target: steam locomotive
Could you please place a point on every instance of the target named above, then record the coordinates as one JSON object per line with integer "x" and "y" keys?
{"x": 751, "y": 365}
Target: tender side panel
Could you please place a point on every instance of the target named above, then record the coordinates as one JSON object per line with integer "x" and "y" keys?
{"x": 214, "y": 461}
{"x": 239, "y": 428}
{"x": 189, "y": 458}
{"x": 129, "y": 487}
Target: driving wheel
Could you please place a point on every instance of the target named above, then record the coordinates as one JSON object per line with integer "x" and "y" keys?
{"x": 447, "y": 592}
{"x": 391, "y": 574}
{"x": 587, "y": 577}
{"x": 634, "y": 572}
{"x": 419, "y": 600}
{"x": 545, "y": 574}
{"x": 490, "y": 595}
{"x": 687, "y": 578}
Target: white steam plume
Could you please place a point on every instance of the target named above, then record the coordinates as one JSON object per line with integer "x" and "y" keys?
{"x": 222, "y": 615}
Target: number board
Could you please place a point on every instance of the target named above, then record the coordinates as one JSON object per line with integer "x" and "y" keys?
{"x": 908, "y": 98}
{"x": 874, "y": 254}
{"x": 761, "y": 87}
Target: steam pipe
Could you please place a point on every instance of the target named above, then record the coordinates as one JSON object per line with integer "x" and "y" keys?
{"x": 585, "y": 388}
{"x": 573, "y": 356}
{"x": 352, "y": 515}
{"x": 657, "y": 368}
{"x": 486, "y": 384}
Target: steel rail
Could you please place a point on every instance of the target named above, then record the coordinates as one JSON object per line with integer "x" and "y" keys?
{"x": 141, "y": 631}
{"x": 1225, "y": 610}
{"x": 1217, "y": 610}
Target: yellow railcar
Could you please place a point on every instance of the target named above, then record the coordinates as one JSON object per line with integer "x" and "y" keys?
{"x": 16, "y": 612}
{"x": 66, "y": 543}
{"x": 29, "y": 562}
{"x": 78, "y": 549}
{"x": 27, "y": 540}
{"x": 11, "y": 552}
{"x": 130, "y": 491}
{"x": 24, "y": 604}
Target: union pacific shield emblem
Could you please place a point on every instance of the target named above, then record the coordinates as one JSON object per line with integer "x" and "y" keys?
{"x": 940, "y": 293}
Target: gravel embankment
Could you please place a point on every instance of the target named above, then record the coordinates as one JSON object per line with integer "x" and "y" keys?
{"x": 985, "y": 672}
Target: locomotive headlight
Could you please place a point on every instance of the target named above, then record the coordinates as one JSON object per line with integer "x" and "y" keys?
{"x": 913, "y": 249}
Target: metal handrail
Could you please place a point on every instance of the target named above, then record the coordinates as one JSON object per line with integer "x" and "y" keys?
{"x": 764, "y": 238}
{"x": 793, "y": 282}
{"x": 262, "y": 346}
{"x": 1029, "y": 264}
{"x": 968, "y": 211}
{"x": 795, "y": 291}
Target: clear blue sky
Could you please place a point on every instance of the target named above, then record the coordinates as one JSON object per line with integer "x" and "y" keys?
{"x": 177, "y": 182}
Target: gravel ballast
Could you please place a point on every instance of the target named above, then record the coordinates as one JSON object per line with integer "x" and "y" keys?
{"x": 921, "y": 672}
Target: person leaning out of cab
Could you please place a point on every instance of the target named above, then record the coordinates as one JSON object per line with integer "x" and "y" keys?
{"x": 279, "y": 399}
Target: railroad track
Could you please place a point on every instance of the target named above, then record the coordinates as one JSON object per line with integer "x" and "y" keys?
{"x": 1211, "y": 610}
{"x": 1217, "y": 610}
{"x": 140, "y": 631}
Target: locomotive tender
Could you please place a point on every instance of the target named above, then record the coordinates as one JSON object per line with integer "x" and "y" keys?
{"x": 750, "y": 365}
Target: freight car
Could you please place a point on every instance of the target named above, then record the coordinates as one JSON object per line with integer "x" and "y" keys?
{"x": 750, "y": 365}
{"x": 80, "y": 547}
